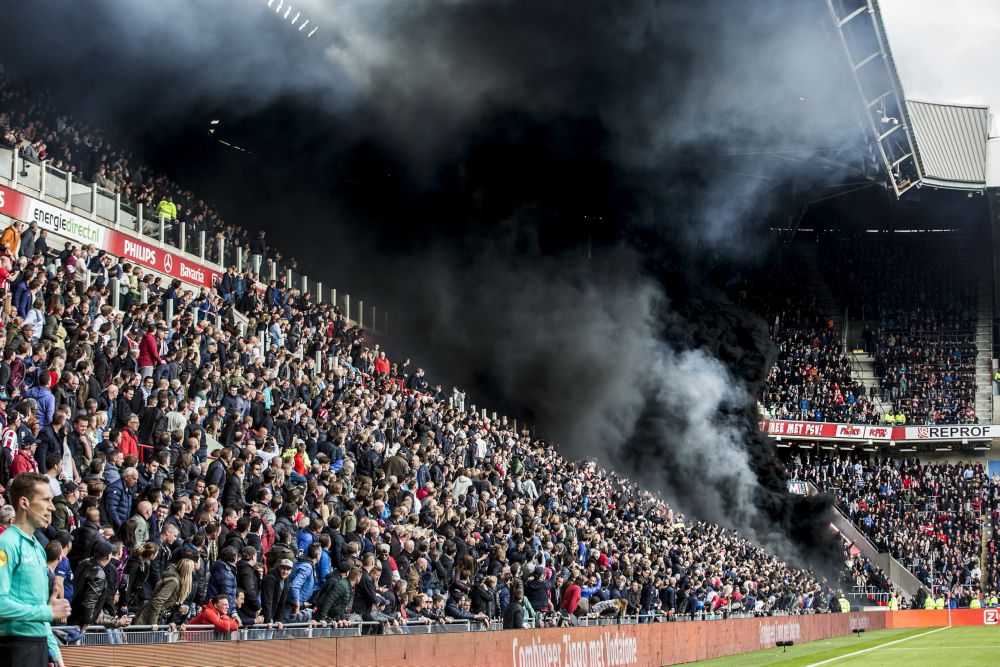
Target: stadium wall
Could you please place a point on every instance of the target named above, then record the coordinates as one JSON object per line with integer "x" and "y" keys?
{"x": 644, "y": 645}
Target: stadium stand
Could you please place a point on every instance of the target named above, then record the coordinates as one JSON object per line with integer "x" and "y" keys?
{"x": 929, "y": 516}
{"x": 922, "y": 305}
{"x": 811, "y": 379}
{"x": 216, "y": 464}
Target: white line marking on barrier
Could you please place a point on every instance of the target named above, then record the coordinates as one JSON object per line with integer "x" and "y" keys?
{"x": 875, "y": 648}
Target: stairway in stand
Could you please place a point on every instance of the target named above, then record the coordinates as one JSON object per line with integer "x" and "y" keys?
{"x": 984, "y": 349}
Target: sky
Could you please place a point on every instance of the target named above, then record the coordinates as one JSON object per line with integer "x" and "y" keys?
{"x": 946, "y": 51}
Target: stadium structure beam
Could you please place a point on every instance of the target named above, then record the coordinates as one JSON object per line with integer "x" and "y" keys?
{"x": 858, "y": 24}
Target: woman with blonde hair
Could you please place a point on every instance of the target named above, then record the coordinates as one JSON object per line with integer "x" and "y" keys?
{"x": 169, "y": 595}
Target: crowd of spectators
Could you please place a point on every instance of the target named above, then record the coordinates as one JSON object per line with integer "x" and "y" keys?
{"x": 811, "y": 379}
{"x": 919, "y": 292}
{"x": 32, "y": 123}
{"x": 926, "y": 515}
{"x": 201, "y": 474}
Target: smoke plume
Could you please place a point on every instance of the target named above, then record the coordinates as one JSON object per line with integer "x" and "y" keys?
{"x": 543, "y": 194}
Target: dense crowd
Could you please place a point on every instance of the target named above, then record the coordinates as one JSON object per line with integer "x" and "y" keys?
{"x": 927, "y": 515}
{"x": 204, "y": 475}
{"x": 811, "y": 379}
{"x": 920, "y": 295}
{"x": 32, "y": 123}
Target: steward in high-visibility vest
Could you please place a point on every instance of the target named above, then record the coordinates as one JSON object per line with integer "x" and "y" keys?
{"x": 928, "y": 602}
{"x": 993, "y": 601}
{"x": 893, "y": 603}
{"x": 166, "y": 208}
{"x": 974, "y": 603}
{"x": 939, "y": 603}
{"x": 845, "y": 606}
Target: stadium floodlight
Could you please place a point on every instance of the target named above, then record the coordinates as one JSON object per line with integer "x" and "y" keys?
{"x": 288, "y": 13}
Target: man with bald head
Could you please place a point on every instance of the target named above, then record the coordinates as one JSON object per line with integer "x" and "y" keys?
{"x": 143, "y": 512}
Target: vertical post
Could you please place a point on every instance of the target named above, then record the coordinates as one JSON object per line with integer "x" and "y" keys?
{"x": 115, "y": 293}
{"x": 218, "y": 321}
{"x": 41, "y": 179}
{"x": 319, "y": 292}
{"x": 288, "y": 278}
{"x": 319, "y": 361}
{"x": 163, "y": 227}
{"x": 222, "y": 251}
{"x": 13, "y": 169}
{"x": 169, "y": 310}
{"x": 93, "y": 200}
{"x": 201, "y": 243}
{"x": 333, "y": 296}
{"x": 143, "y": 294}
{"x": 118, "y": 208}
{"x": 182, "y": 237}
{"x": 347, "y": 307}
{"x": 361, "y": 313}
{"x": 274, "y": 270}
{"x": 69, "y": 183}
{"x": 138, "y": 219}
{"x": 239, "y": 258}
{"x": 484, "y": 413}
{"x": 243, "y": 330}
{"x": 86, "y": 277}
{"x": 494, "y": 416}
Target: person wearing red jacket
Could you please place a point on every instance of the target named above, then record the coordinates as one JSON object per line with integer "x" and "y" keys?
{"x": 216, "y": 613}
{"x": 129, "y": 442}
{"x": 24, "y": 459}
{"x": 149, "y": 351}
{"x": 571, "y": 596}
{"x": 381, "y": 364}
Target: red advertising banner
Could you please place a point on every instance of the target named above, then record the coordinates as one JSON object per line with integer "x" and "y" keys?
{"x": 160, "y": 259}
{"x": 84, "y": 231}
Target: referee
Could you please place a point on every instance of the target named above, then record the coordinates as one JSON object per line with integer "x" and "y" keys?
{"x": 26, "y": 638}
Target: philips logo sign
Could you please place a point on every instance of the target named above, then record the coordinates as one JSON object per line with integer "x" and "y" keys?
{"x": 139, "y": 253}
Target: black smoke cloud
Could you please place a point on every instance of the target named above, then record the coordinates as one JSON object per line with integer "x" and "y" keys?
{"x": 546, "y": 195}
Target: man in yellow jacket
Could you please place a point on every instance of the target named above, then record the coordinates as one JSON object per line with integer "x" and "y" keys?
{"x": 167, "y": 208}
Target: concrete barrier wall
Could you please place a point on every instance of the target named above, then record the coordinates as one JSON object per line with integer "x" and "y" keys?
{"x": 646, "y": 645}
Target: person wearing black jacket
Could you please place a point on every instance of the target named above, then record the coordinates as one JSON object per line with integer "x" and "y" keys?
{"x": 248, "y": 580}
{"x": 365, "y": 594}
{"x": 274, "y": 591}
{"x": 91, "y": 587}
{"x": 513, "y": 615}
{"x": 232, "y": 494}
{"x": 86, "y": 538}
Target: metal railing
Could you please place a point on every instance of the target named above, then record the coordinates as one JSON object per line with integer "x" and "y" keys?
{"x": 98, "y": 635}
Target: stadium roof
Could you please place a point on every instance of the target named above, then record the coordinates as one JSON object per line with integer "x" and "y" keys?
{"x": 945, "y": 55}
{"x": 950, "y": 143}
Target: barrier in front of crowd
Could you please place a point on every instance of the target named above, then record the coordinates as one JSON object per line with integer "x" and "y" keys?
{"x": 862, "y": 434}
{"x": 641, "y": 644}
